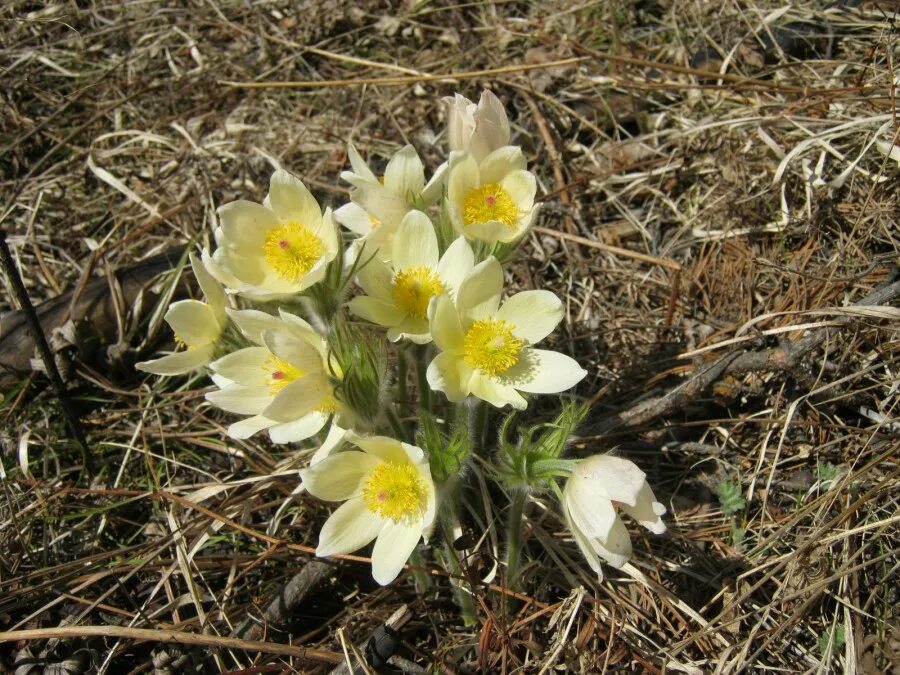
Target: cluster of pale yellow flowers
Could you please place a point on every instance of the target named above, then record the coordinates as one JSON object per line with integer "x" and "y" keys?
{"x": 425, "y": 257}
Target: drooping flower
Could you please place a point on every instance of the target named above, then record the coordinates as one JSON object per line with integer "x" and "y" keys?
{"x": 388, "y": 496}
{"x": 478, "y": 129}
{"x": 378, "y": 205}
{"x": 596, "y": 487}
{"x": 491, "y": 200}
{"x": 283, "y": 383}
{"x": 486, "y": 348}
{"x": 398, "y": 292}
{"x": 274, "y": 249}
{"x": 197, "y": 326}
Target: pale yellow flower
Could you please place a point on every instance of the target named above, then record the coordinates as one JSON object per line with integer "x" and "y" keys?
{"x": 283, "y": 383}
{"x": 197, "y": 326}
{"x": 486, "y": 348}
{"x": 491, "y": 200}
{"x": 596, "y": 487}
{"x": 274, "y": 249}
{"x": 388, "y": 496}
{"x": 398, "y": 293}
{"x": 478, "y": 129}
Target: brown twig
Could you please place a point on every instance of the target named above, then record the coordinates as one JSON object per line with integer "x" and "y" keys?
{"x": 175, "y": 636}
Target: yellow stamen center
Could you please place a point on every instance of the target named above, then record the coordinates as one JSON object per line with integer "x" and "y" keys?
{"x": 413, "y": 288}
{"x": 396, "y": 490}
{"x": 280, "y": 374}
{"x": 490, "y": 202}
{"x": 291, "y": 249}
{"x": 328, "y": 405}
{"x": 491, "y": 346}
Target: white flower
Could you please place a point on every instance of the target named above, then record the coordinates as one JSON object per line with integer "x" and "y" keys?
{"x": 479, "y": 129}
{"x": 277, "y": 248}
{"x": 398, "y": 293}
{"x": 197, "y": 326}
{"x": 486, "y": 348}
{"x": 596, "y": 487}
{"x": 491, "y": 200}
{"x": 283, "y": 383}
{"x": 389, "y": 496}
{"x": 378, "y": 205}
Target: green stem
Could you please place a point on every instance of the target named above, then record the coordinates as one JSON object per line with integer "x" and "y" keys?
{"x": 402, "y": 392}
{"x": 478, "y": 419}
{"x": 396, "y": 425}
{"x": 463, "y": 599}
{"x": 514, "y": 523}
{"x": 422, "y": 379}
{"x": 423, "y": 580}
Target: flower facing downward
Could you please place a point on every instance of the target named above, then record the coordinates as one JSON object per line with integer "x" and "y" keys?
{"x": 596, "y": 487}
{"x": 277, "y": 248}
{"x": 479, "y": 129}
{"x": 486, "y": 347}
{"x": 388, "y": 496}
{"x": 491, "y": 200}
{"x": 398, "y": 293}
{"x": 197, "y": 326}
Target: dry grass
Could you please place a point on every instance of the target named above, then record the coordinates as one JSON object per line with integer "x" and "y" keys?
{"x": 752, "y": 202}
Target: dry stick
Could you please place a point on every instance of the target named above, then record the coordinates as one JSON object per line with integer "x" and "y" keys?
{"x": 779, "y": 358}
{"x": 17, "y": 288}
{"x": 176, "y": 636}
{"x": 278, "y": 614}
{"x": 379, "y": 646}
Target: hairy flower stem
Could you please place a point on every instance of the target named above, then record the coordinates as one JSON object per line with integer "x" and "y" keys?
{"x": 478, "y": 420}
{"x": 463, "y": 598}
{"x": 422, "y": 578}
{"x": 514, "y": 525}
{"x": 402, "y": 391}
{"x": 422, "y": 379}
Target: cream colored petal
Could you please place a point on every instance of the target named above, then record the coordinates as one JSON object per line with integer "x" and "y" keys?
{"x": 593, "y": 514}
{"x": 382, "y": 447}
{"x": 375, "y": 310}
{"x": 490, "y": 232}
{"x": 456, "y": 263}
{"x": 327, "y": 232}
{"x": 494, "y": 392}
{"x": 647, "y": 511}
{"x": 375, "y": 277}
{"x": 219, "y": 272}
{"x": 411, "y": 328}
{"x": 289, "y": 347}
{"x": 434, "y": 188}
{"x": 248, "y": 426}
{"x": 249, "y": 367}
{"x": 491, "y": 126}
{"x": 405, "y": 174}
{"x": 212, "y": 289}
{"x": 540, "y": 371}
{"x": 338, "y": 477}
{"x": 500, "y": 162}
{"x": 332, "y": 443}
{"x": 359, "y": 166}
{"x": 415, "y": 243}
{"x": 178, "y": 363}
{"x": 354, "y": 218}
{"x": 533, "y": 314}
{"x": 292, "y": 202}
{"x": 444, "y": 324}
{"x": 587, "y": 549}
{"x": 383, "y": 204}
{"x": 252, "y": 323}
{"x": 241, "y": 400}
{"x": 244, "y": 263}
{"x": 616, "y": 547}
{"x": 613, "y": 478}
{"x": 394, "y": 545}
{"x": 462, "y": 177}
{"x": 194, "y": 322}
{"x": 450, "y": 374}
{"x": 299, "y": 398}
{"x": 460, "y": 121}
{"x": 479, "y": 293}
{"x": 298, "y": 430}
{"x": 245, "y": 223}
{"x": 521, "y": 186}
{"x": 348, "y": 529}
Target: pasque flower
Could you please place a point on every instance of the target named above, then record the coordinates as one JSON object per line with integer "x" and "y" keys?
{"x": 486, "y": 348}
{"x": 493, "y": 199}
{"x": 388, "y": 496}
{"x": 379, "y": 204}
{"x": 197, "y": 326}
{"x": 274, "y": 249}
{"x": 478, "y": 129}
{"x": 597, "y": 486}
{"x": 283, "y": 382}
{"x": 398, "y": 292}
